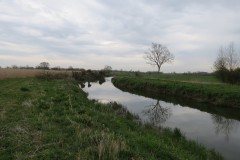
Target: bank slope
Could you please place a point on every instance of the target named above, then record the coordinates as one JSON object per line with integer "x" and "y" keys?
{"x": 225, "y": 95}
{"x": 53, "y": 119}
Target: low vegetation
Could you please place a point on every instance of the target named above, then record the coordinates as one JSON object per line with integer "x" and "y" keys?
{"x": 80, "y": 75}
{"x": 197, "y": 77}
{"x": 53, "y": 119}
{"x": 212, "y": 93}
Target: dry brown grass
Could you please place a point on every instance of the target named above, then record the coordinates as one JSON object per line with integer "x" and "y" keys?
{"x": 23, "y": 73}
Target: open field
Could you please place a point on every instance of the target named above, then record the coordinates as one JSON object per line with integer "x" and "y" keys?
{"x": 194, "y": 78}
{"x": 24, "y": 73}
{"x": 53, "y": 119}
{"x": 18, "y": 73}
{"x": 187, "y": 78}
{"x": 212, "y": 93}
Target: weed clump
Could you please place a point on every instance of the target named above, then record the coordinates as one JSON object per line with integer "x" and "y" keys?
{"x": 177, "y": 133}
{"x": 24, "y": 89}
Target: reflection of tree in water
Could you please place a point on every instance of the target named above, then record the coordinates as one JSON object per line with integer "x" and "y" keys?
{"x": 223, "y": 125}
{"x": 101, "y": 81}
{"x": 89, "y": 84}
{"x": 82, "y": 84}
{"x": 157, "y": 114}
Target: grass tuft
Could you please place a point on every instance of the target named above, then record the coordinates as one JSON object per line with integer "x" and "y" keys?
{"x": 24, "y": 89}
{"x": 177, "y": 133}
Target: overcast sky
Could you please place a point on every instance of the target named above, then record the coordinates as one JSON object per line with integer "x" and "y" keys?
{"x": 93, "y": 33}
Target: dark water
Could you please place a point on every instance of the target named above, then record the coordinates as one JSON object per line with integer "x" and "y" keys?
{"x": 210, "y": 129}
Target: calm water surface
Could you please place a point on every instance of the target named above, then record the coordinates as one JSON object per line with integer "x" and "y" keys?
{"x": 211, "y": 130}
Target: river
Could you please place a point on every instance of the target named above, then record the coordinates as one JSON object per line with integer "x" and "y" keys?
{"x": 209, "y": 129}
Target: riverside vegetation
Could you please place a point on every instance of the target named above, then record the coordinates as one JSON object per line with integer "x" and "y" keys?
{"x": 205, "y": 91}
{"x": 53, "y": 119}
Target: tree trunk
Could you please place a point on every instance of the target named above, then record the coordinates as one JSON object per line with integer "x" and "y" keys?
{"x": 159, "y": 68}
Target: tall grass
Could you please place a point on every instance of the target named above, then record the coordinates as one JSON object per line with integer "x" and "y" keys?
{"x": 24, "y": 73}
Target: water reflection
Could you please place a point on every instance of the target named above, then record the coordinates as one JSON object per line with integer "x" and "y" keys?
{"x": 89, "y": 84}
{"x": 156, "y": 113}
{"x": 83, "y": 84}
{"x": 223, "y": 125}
{"x": 101, "y": 81}
{"x": 213, "y": 127}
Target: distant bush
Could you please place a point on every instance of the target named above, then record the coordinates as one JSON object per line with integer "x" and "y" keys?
{"x": 43, "y": 65}
{"x": 229, "y": 76}
{"x": 53, "y": 75}
{"x": 137, "y": 74}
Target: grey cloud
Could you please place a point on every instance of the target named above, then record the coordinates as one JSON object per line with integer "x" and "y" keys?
{"x": 192, "y": 29}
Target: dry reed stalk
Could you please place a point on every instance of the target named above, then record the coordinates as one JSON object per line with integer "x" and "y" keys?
{"x": 23, "y": 73}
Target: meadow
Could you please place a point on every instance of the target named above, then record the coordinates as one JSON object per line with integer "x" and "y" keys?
{"x": 184, "y": 77}
{"x": 194, "y": 78}
{"x": 53, "y": 119}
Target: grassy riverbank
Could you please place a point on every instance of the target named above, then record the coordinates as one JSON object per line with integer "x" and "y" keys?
{"x": 184, "y": 77}
{"x": 53, "y": 119}
{"x": 212, "y": 93}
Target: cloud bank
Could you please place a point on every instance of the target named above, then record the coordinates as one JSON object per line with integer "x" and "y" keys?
{"x": 92, "y": 34}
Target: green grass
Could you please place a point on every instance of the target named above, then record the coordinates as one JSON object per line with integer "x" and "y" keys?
{"x": 183, "y": 77}
{"x": 217, "y": 94}
{"x": 197, "y": 78}
{"x": 53, "y": 119}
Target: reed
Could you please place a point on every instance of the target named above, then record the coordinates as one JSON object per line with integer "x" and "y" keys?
{"x": 24, "y": 73}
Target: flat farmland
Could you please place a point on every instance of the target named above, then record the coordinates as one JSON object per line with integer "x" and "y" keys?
{"x": 25, "y": 73}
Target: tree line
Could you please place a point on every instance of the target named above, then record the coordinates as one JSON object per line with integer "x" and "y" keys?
{"x": 46, "y": 66}
{"x": 42, "y": 65}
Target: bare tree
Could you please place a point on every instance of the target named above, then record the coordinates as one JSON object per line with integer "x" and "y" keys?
{"x": 43, "y": 65}
{"x": 232, "y": 58}
{"x": 227, "y": 64}
{"x": 223, "y": 125}
{"x": 158, "y": 55}
{"x": 220, "y": 65}
{"x": 107, "y": 68}
{"x": 156, "y": 113}
{"x": 227, "y": 58}
{"x": 14, "y": 67}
